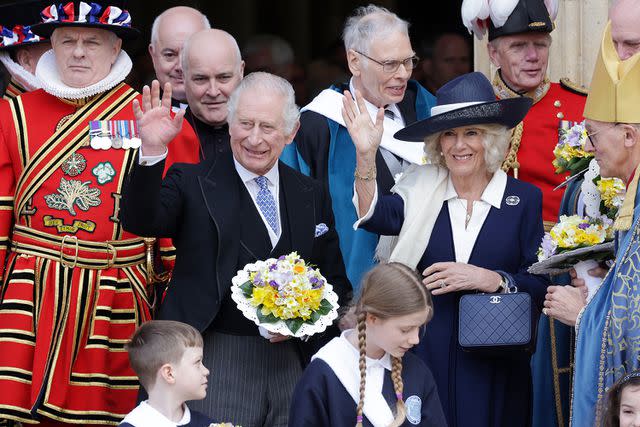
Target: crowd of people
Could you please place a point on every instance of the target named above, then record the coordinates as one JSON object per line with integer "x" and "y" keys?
{"x": 125, "y": 215}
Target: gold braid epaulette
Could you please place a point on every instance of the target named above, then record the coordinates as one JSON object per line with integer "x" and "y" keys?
{"x": 511, "y": 161}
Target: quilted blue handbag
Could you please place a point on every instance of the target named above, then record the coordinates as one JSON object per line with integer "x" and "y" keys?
{"x": 496, "y": 323}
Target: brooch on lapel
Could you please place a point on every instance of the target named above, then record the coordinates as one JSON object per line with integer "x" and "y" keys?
{"x": 512, "y": 200}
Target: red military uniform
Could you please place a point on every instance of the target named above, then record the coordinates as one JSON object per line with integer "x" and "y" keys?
{"x": 13, "y": 89}
{"x": 74, "y": 282}
{"x": 535, "y": 138}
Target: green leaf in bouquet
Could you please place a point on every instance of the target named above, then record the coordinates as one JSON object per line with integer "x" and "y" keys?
{"x": 561, "y": 165}
{"x": 247, "y": 289}
{"x": 578, "y": 164}
{"x": 315, "y": 316}
{"x": 325, "y": 307}
{"x": 294, "y": 324}
{"x": 265, "y": 318}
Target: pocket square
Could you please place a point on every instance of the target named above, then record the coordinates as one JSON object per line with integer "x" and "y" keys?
{"x": 321, "y": 229}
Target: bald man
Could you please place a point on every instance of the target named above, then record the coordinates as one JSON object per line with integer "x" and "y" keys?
{"x": 625, "y": 31}
{"x": 212, "y": 68}
{"x": 169, "y": 32}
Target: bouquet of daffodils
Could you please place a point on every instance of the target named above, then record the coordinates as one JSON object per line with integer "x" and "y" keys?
{"x": 569, "y": 152}
{"x": 285, "y": 296}
{"x": 575, "y": 232}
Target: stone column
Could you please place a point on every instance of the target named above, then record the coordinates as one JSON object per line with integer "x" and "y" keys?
{"x": 576, "y": 41}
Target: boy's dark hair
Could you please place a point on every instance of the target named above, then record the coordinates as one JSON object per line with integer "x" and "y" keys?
{"x": 158, "y": 342}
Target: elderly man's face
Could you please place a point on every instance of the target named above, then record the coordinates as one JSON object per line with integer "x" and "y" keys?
{"x": 522, "y": 59}
{"x": 607, "y": 143}
{"x": 379, "y": 87}
{"x": 84, "y": 56}
{"x": 257, "y": 130}
{"x": 173, "y": 30}
{"x": 213, "y": 73}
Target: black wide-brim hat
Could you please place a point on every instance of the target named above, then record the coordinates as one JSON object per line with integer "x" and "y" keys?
{"x": 16, "y": 20}
{"x": 529, "y": 16}
{"x": 464, "y": 101}
{"x": 107, "y": 15}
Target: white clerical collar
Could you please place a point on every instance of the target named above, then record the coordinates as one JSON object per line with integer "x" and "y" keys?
{"x": 246, "y": 175}
{"x": 47, "y": 73}
{"x": 19, "y": 73}
{"x": 492, "y": 194}
{"x": 373, "y": 110}
{"x": 145, "y": 415}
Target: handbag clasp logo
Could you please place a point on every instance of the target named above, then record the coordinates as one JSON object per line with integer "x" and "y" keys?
{"x": 495, "y": 299}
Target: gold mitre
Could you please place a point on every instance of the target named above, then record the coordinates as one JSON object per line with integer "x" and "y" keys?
{"x": 614, "y": 93}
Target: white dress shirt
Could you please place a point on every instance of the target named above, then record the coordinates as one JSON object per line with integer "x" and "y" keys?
{"x": 247, "y": 177}
{"x": 145, "y": 415}
{"x": 273, "y": 181}
{"x": 464, "y": 238}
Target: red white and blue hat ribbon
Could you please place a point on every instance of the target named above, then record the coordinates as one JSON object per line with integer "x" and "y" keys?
{"x": 16, "y": 36}
{"x": 90, "y": 13}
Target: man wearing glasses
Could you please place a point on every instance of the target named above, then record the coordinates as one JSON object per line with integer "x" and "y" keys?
{"x": 381, "y": 61}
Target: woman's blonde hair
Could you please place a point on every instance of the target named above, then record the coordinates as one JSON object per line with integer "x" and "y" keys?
{"x": 495, "y": 142}
{"x": 388, "y": 290}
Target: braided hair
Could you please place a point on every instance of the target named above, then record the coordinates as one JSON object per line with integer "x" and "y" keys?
{"x": 388, "y": 290}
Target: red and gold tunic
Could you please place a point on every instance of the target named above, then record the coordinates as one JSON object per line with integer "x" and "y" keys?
{"x": 533, "y": 141}
{"x": 74, "y": 282}
{"x": 13, "y": 89}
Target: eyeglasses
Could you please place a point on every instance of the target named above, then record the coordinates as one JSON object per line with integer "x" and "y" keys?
{"x": 590, "y": 134}
{"x": 393, "y": 65}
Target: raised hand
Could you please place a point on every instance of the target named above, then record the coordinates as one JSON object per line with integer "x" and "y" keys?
{"x": 366, "y": 134}
{"x": 156, "y": 126}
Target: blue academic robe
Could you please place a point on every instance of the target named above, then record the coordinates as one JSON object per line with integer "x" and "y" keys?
{"x": 324, "y": 150}
{"x": 477, "y": 390}
{"x": 320, "y": 399}
{"x": 608, "y": 332}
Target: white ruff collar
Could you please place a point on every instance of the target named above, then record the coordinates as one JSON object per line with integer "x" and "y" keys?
{"x": 19, "y": 73}
{"x": 47, "y": 72}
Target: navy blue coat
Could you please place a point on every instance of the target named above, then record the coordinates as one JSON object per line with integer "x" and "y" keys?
{"x": 478, "y": 390}
{"x": 320, "y": 399}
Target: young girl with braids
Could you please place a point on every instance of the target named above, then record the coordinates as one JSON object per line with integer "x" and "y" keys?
{"x": 367, "y": 377}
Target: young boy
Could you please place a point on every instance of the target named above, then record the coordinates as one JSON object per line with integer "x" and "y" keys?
{"x": 167, "y": 356}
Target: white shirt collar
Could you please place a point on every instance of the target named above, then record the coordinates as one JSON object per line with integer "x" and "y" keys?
{"x": 373, "y": 110}
{"x": 492, "y": 194}
{"x": 145, "y": 415}
{"x": 384, "y": 361}
{"x": 246, "y": 175}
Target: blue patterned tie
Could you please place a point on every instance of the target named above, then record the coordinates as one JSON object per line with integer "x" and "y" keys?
{"x": 267, "y": 203}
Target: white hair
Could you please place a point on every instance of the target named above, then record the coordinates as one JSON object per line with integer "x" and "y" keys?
{"x": 156, "y": 22}
{"x": 184, "y": 53}
{"x": 369, "y": 23}
{"x": 495, "y": 140}
{"x": 273, "y": 84}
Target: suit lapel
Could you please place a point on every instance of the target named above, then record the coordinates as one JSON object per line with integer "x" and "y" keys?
{"x": 300, "y": 211}
{"x": 221, "y": 196}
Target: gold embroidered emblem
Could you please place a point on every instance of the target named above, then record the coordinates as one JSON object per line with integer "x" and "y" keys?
{"x": 73, "y": 193}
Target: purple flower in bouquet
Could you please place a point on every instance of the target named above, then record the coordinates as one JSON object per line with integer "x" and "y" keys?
{"x": 274, "y": 284}
{"x": 547, "y": 247}
{"x": 574, "y": 137}
{"x": 584, "y": 225}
